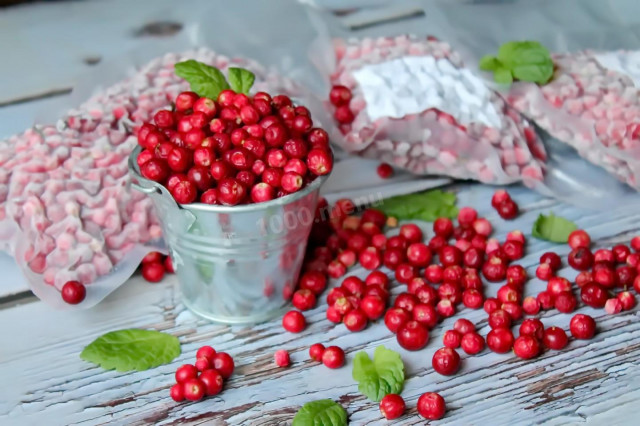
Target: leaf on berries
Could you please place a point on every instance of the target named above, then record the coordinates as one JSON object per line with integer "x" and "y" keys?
{"x": 427, "y": 206}
{"x": 520, "y": 60}
{"x": 502, "y": 75}
{"x": 241, "y": 80}
{"x": 132, "y": 349}
{"x": 553, "y": 228}
{"x": 204, "y": 79}
{"x": 380, "y": 377}
{"x": 323, "y": 412}
{"x": 489, "y": 63}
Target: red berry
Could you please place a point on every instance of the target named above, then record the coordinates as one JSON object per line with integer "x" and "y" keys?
{"x": 344, "y": 115}
{"x": 582, "y": 326}
{"x": 472, "y": 299}
{"x": 294, "y": 322}
{"x": 507, "y": 293}
{"x": 627, "y": 300}
{"x": 378, "y": 278}
{"x": 557, "y": 285}
{"x": 437, "y": 243}
{"x": 194, "y": 389}
{"x": 482, "y": 227}
{"x": 472, "y": 343}
{"x": 186, "y": 372}
{"x": 395, "y": 318}
{"x": 74, "y": 292}
{"x": 500, "y": 340}
{"x": 443, "y": 226}
{"x": 213, "y": 382}
{"x": 583, "y": 278}
{"x": 433, "y": 273}
{"x": 466, "y": 216}
{"x": 526, "y": 347}
{"x": 334, "y": 315}
{"x": 427, "y": 295}
{"x": 318, "y": 138}
{"x": 202, "y": 364}
{"x": 464, "y": 326}
{"x": 431, "y": 406}
{"x": 319, "y": 162}
{"x": 262, "y": 192}
{"x": 580, "y": 258}
{"x": 513, "y": 309}
{"x": 552, "y": 259}
{"x": 370, "y": 258}
{"x": 223, "y": 362}
{"x": 499, "y": 319}
{"x": 152, "y": 272}
{"x": 412, "y": 336}
{"x": 613, "y": 306}
{"x": 605, "y": 277}
{"x": 185, "y": 101}
{"x": 494, "y": 269}
{"x": 532, "y": 327}
{"x": 620, "y": 253}
{"x": 281, "y": 358}
{"x": 333, "y": 357}
{"x": 450, "y": 255}
{"x": 473, "y": 258}
{"x": 555, "y": 338}
{"x": 425, "y": 314}
{"x": 499, "y": 197}
{"x": 635, "y": 243}
{"x": 373, "y": 307}
{"x": 513, "y": 250}
{"x": 314, "y": 281}
{"x": 579, "y": 238}
{"x": 411, "y": 233}
{"x": 184, "y": 192}
{"x": 392, "y": 406}
{"x": 177, "y": 392}
{"x": 230, "y": 192}
{"x": 336, "y": 269}
{"x": 530, "y": 305}
{"x": 316, "y": 351}
{"x": 206, "y": 352}
{"x": 304, "y": 300}
{"x": 625, "y": 276}
{"x": 406, "y": 301}
{"x": 446, "y": 361}
{"x": 508, "y": 210}
{"x": 452, "y": 339}
{"x": 210, "y": 196}
{"x": 405, "y": 273}
{"x": 545, "y": 299}
{"x": 163, "y": 118}
{"x": 200, "y": 177}
{"x": 418, "y": 254}
{"x": 565, "y": 302}
{"x": 291, "y": 182}
{"x": 491, "y": 304}
{"x": 339, "y": 95}
{"x": 155, "y": 169}
{"x": 355, "y": 320}
{"x": 384, "y": 170}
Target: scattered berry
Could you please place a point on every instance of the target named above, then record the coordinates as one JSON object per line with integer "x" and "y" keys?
{"x": 446, "y": 361}
{"x": 281, "y": 358}
{"x": 582, "y": 326}
{"x": 431, "y": 406}
{"x": 392, "y": 406}
{"x": 294, "y": 322}
{"x": 333, "y": 357}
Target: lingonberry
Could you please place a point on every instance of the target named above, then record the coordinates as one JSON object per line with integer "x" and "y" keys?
{"x": 223, "y": 362}
{"x": 604, "y": 256}
{"x": 200, "y": 177}
{"x": 633, "y": 260}
{"x": 357, "y": 241}
{"x": 202, "y": 363}
{"x": 314, "y": 281}
{"x": 635, "y": 243}
{"x": 164, "y": 118}
{"x": 508, "y": 210}
{"x": 555, "y": 338}
{"x": 452, "y": 274}
{"x": 464, "y": 326}
{"x": 155, "y": 169}
{"x": 392, "y": 406}
{"x": 282, "y": 358}
{"x": 579, "y": 238}
{"x": 463, "y": 245}
{"x": 450, "y": 291}
{"x": 582, "y": 326}
{"x": 405, "y": 272}
{"x": 491, "y": 305}
{"x": 212, "y": 380}
{"x": 143, "y": 157}
{"x": 291, "y": 182}
{"x": 210, "y": 196}
{"x": 295, "y": 165}
{"x": 316, "y": 351}
{"x": 418, "y": 254}
{"x": 472, "y": 343}
{"x": 74, "y": 292}
{"x": 177, "y": 392}
{"x": 395, "y": 318}
{"x": 499, "y": 319}
{"x": 565, "y": 302}
{"x": 443, "y": 226}
{"x": 532, "y": 327}
{"x": 446, "y": 308}
{"x": 370, "y": 258}
{"x": 335, "y": 294}
{"x": 318, "y": 138}
{"x": 294, "y": 322}
{"x": 319, "y": 162}
{"x": 545, "y": 299}
{"x": 605, "y": 277}
{"x": 552, "y": 259}
{"x": 343, "y": 114}
{"x": 152, "y": 272}
{"x": 479, "y": 242}
{"x": 304, "y": 299}
{"x": 625, "y": 276}
{"x": 378, "y": 278}
{"x": 513, "y": 250}
{"x": 425, "y": 314}
{"x": 557, "y": 285}
{"x": 275, "y": 135}
{"x": 206, "y": 352}
{"x": 406, "y": 301}
{"x": 412, "y": 335}
{"x": 446, "y": 361}
{"x": 372, "y": 306}
{"x": 431, "y": 406}
{"x": 499, "y": 197}
{"x": 583, "y": 278}
{"x": 343, "y": 305}
{"x": 473, "y": 258}
{"x": 377, "y": 291}
{"x": 452, "y": 339}
{"x": 347, "y": 257}
{"x": 627, "y": 300}
{"x": 379, "y": 241}
{"x": 471, "y": 281}
{"x": 185, "y": 101}
{"x": 355, "y": 320}
{"x": 466, "y": 216}
{"x": 530, "y": 305}
{"x": 433, "y": 273}
{"x": 513, "y": 309}
{"x": 186, "y": 372}
{"x": 500, "y": 340}
{"x": 494, "y": 269}
{"x": 492, "y": 246}
{"x": 472, "y": 298}
{"x": 516, "y": 276}
{"x": 281, "y": 101}
{"x": 526, "y": 347}
{"x": 482, "y": 227}
{"x": 620, "y": 253}
{"x": 262, "y": 192}
{"x": 334, "y": 315}
{"x": 613, "y": 306}
{"x": 437, "y": 243}
{"x": 508, "y": 294}
{"x": 333, "y": 357}
{"x": 580, "y": 258}
{"x": 353, "y": 286}
{"x": 336, "y": 269}
{"x": 339, "y": 95}
{"x": 194, "y": 389}
{"x": 450, "y": 255}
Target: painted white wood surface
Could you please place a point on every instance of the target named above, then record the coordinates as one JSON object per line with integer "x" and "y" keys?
{"x": 590, "y": 381}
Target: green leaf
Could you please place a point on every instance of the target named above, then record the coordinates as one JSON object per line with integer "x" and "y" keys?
{"x": 553, "y": 228}
{"x": 527, "y": 61}
{"x": 535, "y": 73}
{"x": 323, "y": 412}
{"x": 427, "y": 206}
{"x": 380, "y": 377}
{"x": 132, "y": 349}
{"x": 502, "y": 76}
{"x": 241, "y": 80}
{"x": 489, "y": 63}
{"x": 204, "y": 79}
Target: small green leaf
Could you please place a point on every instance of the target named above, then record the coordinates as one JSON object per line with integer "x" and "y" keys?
{"x": 553, "y": 228}
{"x": 241, "y": 80}
{"x": 427, "y": 206}
{"x": 489, "y": 63}
{"x": 204, "y": 79}
{"x": 502, "y": 75}
{"x": 323, "y": 412}
{"x": 535, "y": 73}
{"x": 380, "y": 377}
{"x": 132, "y": 349}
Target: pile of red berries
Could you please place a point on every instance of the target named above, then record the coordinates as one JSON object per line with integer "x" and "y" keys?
{"x": 340, "y": 97}
{"x": 155, "y": 265}
{"x": 233, "y": 150}
{"x": 504, "y": 205}
{"x": 205, "y": 378}
{"x": 430, "y": 405}
{"x": 331, "y": 357}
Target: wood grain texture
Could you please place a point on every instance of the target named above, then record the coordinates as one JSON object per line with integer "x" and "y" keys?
{"x": 588, "y": 382}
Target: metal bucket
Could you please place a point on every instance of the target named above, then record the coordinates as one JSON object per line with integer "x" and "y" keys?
{"x": 235, "y": 264}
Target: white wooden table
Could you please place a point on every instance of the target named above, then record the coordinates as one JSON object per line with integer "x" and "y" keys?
{"x": 45, "y": 382}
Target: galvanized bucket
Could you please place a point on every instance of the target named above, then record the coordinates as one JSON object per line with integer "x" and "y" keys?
{"x": 235, "y": 264}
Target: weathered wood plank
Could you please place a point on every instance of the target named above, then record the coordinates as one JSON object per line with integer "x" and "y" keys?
{"x": 588, "y": 381}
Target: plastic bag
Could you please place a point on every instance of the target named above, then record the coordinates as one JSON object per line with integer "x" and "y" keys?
{"x": 592, "y": 102}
